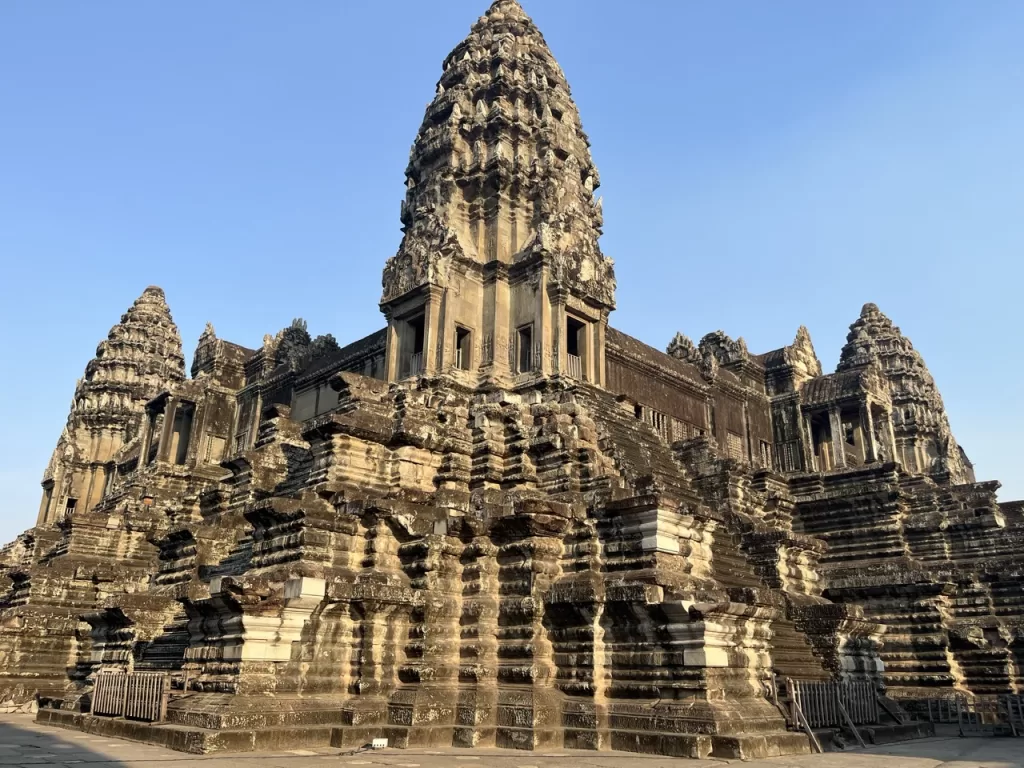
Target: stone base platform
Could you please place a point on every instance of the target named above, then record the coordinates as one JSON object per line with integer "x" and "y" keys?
{"x": 198, "y": 741}
{"x": 834, "y": 740}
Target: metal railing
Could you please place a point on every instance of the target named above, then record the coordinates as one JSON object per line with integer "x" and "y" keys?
{"x": 1014, "y": 709}
{"x": 133, "y": 695}
{"x": 973, "y": 716}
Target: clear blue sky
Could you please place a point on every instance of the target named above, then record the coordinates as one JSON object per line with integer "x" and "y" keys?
{"x": 764, "y": 165}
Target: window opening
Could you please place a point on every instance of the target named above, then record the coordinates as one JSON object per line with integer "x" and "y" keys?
{"x": 524, "y": 349}
{"x": 182, "y": 431}
{"x": 414, "y": 360}
{"x": 575, "y": 341}
{"x": 848, "y": 433}
{"x": 463, "y": 348}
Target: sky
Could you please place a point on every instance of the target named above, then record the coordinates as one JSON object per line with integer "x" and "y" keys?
{"x": 764, "y": 165}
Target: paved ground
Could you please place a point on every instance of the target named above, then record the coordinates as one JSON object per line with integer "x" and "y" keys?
{"x": 23, "y": 743}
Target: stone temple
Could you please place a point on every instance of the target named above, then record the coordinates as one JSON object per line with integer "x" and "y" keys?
{"x": 498, "y": 521}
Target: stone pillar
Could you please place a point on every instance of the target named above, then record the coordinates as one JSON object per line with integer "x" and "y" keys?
{"x": 807, "y": 438}
{"x": 558, "y": 325}
{"x": 392, "y": 351}
{"x": 432, "y": 330}
{"x": 836, "y": 424}
{"x": 867, "y": 428}
{"x": 97, "y": 485}
{"x": 600, "y": 333}
{"x": 498, "y": 335}
{"x": 163, "y": 449}
{"x": 145, "y": 436}
{"x": 544, "y": 326}
{"x": 746, "y": 434}
{"x": 45, "y": 503}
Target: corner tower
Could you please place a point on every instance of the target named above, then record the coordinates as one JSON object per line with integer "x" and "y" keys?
{"x": 500, "y": 277}
{"x": 140, "y": 356}
{"x": 924, "y": 440}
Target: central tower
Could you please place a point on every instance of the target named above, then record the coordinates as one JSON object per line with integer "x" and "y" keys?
{"x": 500, "y": 278}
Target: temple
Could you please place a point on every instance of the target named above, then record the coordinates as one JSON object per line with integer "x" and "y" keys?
{"x": 498, "y": 521}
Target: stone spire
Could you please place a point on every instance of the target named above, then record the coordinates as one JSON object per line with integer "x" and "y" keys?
{"x": 923, "y": 435}
{"x": 501, "y": 169}
{"x": 140, "y": 357}
{"x": 802, "y": 356}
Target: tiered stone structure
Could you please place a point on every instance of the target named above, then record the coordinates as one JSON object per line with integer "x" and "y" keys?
{"x": 84, "y": 559}
{"x": 498, "y": 520}
{"x": 141, "y": 355}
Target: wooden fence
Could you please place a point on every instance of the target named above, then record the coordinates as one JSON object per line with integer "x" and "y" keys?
{"x": 134, "y": 695}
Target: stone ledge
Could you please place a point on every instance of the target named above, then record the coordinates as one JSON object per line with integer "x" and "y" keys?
{"x": 191, "y": 740}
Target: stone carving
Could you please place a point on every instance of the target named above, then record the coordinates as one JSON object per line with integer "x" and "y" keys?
{"x": 723, "y": 348}
{"x": 708, "y": 363}
{"x": 323, "y": 346}
{"x": 682, "y": 348}
{"x": 424, "y": 257}
{"x": 801, "y": 353}
{"x": 293, "y": 344}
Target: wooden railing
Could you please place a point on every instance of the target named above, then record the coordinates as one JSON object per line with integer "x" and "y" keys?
{"x": 134, "y": 695}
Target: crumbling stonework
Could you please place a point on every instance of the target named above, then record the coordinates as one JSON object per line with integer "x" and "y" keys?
{"x": 499, "y": 521}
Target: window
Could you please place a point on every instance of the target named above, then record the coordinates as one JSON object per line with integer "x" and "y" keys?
{"x": 215, "y": 449}
{"x": 821, "y": 435}
{"x": 463, "y": 348}
{"x": 243, "y": 432}
{"x": 412, "y": 362}
{"x": 155, "y": 425}
{"x": 70, "y": 505}
{"x": 849, "y": 434}
{"x": 734, "y": 446}
{"x": 575, "y": 343}
{"x": 766, "y": 454}
{"x": 181, "y": 432}
{"x": 524, "y": 349}
{"x": 47, "y": 498}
